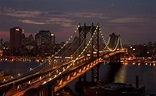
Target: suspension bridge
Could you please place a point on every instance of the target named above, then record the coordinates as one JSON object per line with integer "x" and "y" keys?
{"x": 84, "y": 50}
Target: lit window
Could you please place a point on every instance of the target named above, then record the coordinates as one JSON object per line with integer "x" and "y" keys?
{"x": 23, "y": 31}
{"x": 17, "y": 29}
{"x": 52, "y": 34}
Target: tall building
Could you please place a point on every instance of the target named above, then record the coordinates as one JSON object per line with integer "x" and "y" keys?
{"x": 28, "y": 42}
{"x": 15, "y": 38}
{"x": 45, "y": 40}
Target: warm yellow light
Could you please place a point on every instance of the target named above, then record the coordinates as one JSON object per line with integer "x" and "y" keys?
{"x": 52, "y": 34}
{"x": 88, "y": 54}
{"x": 94, "y": 52}
{"x": 139, "y": 64}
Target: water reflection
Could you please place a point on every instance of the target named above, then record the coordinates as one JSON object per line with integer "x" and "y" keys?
{"x": 112, "y": 70}
{"x": 126, "y": 74}
{"x": 121, "y": 75}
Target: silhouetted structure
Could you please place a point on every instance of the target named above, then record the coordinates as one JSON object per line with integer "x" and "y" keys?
{"x": 45, "y": 41}
{"x": 15, "y": 39}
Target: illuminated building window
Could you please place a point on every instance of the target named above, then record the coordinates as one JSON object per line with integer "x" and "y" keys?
{"x": 17, "y": 29}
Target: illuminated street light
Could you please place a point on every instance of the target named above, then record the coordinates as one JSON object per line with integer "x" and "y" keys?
{"x": 29, "y": 82}
{"x": 12, "y": 77}
{"x": 40, "y": 77}
{"x": 94, "y": 52}
{"x": 50, "y": 79}
{"x": 88, "y": 54}
{"x": 30, "y": 69}
{"x": 19, "y": 74}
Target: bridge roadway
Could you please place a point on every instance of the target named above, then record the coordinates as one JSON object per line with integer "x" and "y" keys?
{"x": 59, "y": 70}
{"x": 51, "y": 77}
{"x": 24, "y": 83}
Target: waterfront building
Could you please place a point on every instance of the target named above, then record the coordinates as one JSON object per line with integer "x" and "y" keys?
{"x": 45, "y": 41}
{"x": 28, "y": 42}
{"x": 15, "y": 38}
{"x": 28, "y": 46}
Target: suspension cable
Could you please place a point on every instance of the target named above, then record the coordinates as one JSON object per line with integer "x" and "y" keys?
{"x": 71, "y": 45}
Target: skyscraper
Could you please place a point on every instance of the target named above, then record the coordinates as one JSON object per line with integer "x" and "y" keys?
{"x": 15, "y": 38}
{"x": 45, "y": 40}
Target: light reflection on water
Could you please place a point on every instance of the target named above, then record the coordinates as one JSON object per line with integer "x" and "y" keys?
{"x": 120, "y": 75}
{"x": 127, "y": 74}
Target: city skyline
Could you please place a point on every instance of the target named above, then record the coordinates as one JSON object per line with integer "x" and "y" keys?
{"x": 134, "y": 20}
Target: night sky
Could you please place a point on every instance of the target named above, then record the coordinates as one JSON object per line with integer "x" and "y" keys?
{"x": 134, "y": 20}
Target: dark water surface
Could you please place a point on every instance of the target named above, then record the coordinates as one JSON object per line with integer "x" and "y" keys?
{"x": 108, "y": 73}
{"x": 127, "y": 74}
{"x": 14, "y": 68}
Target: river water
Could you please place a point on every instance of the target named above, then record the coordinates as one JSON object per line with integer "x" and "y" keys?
{"x": 108, "y": 73}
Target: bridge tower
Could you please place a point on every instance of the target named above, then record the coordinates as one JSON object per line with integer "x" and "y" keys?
{"x": 113, "y": 40}
{"x": 115, "y": 43}
{"x": 93, "y": 49}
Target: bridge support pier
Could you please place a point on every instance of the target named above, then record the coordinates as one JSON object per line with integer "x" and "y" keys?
{"x": 51, "y": 90}
{"x": 115, "y": 58}
{"x": 95, "y": 74}
{"x": 43, "y": 90}
{"x": 118, "y": 58}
